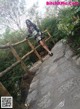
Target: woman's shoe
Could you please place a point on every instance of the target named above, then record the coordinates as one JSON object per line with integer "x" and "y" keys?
{"x": 51, "y": 54}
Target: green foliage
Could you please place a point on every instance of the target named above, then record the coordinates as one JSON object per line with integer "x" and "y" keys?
{"x": 13, "y": 36}
{"x": 66, "y": 21}
{"x": 51, "y": 25}
{"x": 12, "y": 78}
{"x": 65, "y": 25}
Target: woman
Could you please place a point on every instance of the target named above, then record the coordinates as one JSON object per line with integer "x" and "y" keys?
{"x": 35, "y": 32}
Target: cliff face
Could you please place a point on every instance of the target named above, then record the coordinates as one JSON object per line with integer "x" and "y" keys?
{"x": 56, "y": 84}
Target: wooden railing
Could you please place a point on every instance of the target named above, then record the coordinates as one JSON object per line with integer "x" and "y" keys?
{"x": 3, "y": 90}
{"x": 20, "y": 60}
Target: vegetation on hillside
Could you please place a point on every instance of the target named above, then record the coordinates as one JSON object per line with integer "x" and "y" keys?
{"x": 66, "y": 25}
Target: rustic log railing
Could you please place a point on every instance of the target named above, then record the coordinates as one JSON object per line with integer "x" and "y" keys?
{"x": 3, "y": 90}
{"x": 20, "y": 60}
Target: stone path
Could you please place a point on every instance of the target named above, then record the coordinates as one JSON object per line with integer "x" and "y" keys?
{"x": 56, "y": 84}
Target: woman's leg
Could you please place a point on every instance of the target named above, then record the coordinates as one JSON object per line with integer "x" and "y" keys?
{"x": 42, "y": 43}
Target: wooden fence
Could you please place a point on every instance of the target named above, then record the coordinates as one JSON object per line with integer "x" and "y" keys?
{"x": 3, "y": 90}
{"x": 20, "y": 60}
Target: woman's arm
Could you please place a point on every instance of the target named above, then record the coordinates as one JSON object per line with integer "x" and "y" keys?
{"x": 36, "y": 28}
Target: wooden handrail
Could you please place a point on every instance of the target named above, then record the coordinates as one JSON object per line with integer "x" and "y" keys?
{"x": 14, "y": 64}
{"x": 20, "y": 59}
{"x": 3, "y": 90}
{"x": 18, "y": 62}
{"x": 7, "y": 45}
{"x": 15, "y": 44}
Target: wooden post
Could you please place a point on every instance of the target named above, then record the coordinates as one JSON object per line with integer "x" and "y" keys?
{"x": 24, "y": 67}
{"x": 50, "y": 36}
{"x": 3, "y": 91}
{"x": 35, "y": 51}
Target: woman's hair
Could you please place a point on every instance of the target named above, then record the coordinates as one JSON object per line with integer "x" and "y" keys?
{"x": 28, "y": 22}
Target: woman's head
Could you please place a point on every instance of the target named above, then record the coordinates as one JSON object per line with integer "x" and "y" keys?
{"x": 28, "y": 22}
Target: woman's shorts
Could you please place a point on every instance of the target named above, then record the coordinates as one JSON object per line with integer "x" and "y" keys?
{"x": 39, "y": 38}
